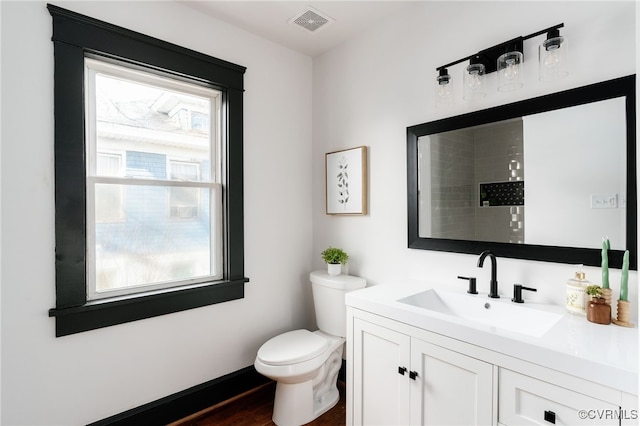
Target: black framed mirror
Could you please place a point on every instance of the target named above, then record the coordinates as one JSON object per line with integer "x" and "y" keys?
{"x": 541, "y": 179}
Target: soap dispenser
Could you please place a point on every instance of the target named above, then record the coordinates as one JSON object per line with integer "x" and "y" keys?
{"x": 576, "y": 288}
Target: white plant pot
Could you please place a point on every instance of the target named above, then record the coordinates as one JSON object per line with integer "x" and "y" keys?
{"x": 334, "y": 268}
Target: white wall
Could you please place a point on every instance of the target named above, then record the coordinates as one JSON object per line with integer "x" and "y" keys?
{"x": 367, "y": 91}
{"x": 89, "y": 376}
{"x": 565, "y": 215}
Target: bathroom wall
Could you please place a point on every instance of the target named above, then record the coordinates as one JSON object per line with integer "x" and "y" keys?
{"x": 452, "y": 166}
{"x": 367, "y": 91}
{"x": 451, "y": 171}
{"x": 599, "y": 170}
{"x": 496, "y": 147}
{"x": 89, "y": 376}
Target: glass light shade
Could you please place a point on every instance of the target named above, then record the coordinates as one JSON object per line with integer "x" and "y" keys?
{"x": 509, "y": 69}
{"x": 553, "y": 59}
{"x": 443, "y": 90}
{"x": 473, "y": 80}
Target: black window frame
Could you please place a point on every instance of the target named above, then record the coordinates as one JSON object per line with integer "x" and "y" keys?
{"x": 74, "y": 37}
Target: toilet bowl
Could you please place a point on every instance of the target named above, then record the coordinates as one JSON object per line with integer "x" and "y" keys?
{"x": 305, "y": 364}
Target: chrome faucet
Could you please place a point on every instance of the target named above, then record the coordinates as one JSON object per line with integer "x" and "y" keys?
{"x": 493, "y": 292}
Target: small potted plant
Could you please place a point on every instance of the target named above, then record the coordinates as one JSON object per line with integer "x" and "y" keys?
{"x": 598, "y": 311}
{"x": 334, "y": 258}
{"x": 595, "y": 291}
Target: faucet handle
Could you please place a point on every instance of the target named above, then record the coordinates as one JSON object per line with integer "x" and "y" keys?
{"x": 472, "y": 284}
{"x": 517, "y": 292}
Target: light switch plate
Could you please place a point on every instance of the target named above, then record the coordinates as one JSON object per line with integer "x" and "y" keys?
{"x": 604, "y": 201}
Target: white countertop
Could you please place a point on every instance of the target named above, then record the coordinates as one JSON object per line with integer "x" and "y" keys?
{"x": 605, "y": 354}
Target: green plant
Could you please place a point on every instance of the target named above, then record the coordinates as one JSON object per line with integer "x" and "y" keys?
{"x": 594, "y": 291}
{"x": 334, "y": 255}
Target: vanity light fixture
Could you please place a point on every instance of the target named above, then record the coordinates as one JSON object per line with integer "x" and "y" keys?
{"x": 473, "y": 80}
{"x": 510, "y": 71}
{"x": 444, "y": 89}
{"x": 552, "y": 56}
{"x": 507, "y": 58}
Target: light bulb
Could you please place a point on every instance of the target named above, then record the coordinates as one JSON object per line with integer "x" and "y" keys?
{"x": 474, "y": 80}
{"x": 552, "y": 57}
{"x": 509, "y": 71}
{"x": 444, "y": 90}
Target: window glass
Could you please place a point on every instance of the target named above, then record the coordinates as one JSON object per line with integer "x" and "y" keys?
{"x": 109, "y": 198}
{"x": 184, "y": 203}
{"x": 148, "y": 249}
{"x": 151, "y": 225}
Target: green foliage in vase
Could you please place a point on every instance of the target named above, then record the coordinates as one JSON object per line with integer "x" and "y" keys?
{"x": 594, "y": 291}
{"x": 334, "y": 255}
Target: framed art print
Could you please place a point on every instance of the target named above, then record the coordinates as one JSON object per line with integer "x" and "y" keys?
{"x": 346, "y": 181}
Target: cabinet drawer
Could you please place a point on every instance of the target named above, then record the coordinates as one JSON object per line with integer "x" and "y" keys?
{"x": 524, "y": 400}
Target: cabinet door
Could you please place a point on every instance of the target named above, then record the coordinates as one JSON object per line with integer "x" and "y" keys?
{"x": 524, "y": 400}
{"x": 380, "y": 392}
{"x": 451, "y": 388}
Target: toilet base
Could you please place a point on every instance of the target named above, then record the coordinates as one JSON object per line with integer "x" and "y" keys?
{"x": 296, "y": 404}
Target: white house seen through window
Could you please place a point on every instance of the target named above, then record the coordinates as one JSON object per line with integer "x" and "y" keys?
{"x": 109, "y": 198}
{"x": 184, "y": 203}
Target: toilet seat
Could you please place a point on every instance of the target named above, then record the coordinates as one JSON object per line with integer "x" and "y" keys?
{"x": 292, "y": 347}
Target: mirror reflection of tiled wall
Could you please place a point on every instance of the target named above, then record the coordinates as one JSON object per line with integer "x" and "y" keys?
{"x": 460, "y": 162}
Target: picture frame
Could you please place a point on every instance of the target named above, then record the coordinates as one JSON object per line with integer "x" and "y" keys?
{"x": 346, "y": 181}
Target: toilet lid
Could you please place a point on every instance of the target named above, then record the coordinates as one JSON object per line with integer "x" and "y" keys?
{"x": 292, "y": 347}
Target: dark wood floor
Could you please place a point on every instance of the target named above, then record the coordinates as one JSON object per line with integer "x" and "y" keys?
{"x": 256, "y": 408}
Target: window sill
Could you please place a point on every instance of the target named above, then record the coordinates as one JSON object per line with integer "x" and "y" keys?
{"x": 108, "y": 312}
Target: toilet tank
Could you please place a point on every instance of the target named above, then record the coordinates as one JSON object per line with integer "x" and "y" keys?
{"x": 328, "y": 300}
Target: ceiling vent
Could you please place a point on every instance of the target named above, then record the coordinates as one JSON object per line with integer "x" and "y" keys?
{"x": 311, "y": 20}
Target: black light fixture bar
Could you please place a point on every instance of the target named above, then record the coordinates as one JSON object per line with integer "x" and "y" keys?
{"x": 489, "y": 56}
{"x": 555, "y": 27}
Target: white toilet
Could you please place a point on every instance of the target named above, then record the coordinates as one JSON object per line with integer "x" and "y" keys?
{"x": 305, "y": 364}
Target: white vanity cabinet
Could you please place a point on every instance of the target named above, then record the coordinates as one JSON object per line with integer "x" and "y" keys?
{"x": 402, "y": 374}
{"x": 399, "y": 379}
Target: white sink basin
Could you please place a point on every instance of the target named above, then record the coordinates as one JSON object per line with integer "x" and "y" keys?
{"x": 481, "y": 310}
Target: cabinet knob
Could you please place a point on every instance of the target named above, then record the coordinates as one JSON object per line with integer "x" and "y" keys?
{"x": 402, "y": 370}
{"x": 550, "y": 416}
{"x": 413, "y": 375}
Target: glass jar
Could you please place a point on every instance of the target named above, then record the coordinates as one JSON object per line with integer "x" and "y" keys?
{"x": 598, "y": 311}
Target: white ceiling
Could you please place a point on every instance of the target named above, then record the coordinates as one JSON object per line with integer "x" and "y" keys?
{"x": 270, "y": 19}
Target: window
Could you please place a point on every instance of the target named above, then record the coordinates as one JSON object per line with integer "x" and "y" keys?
{"x": 133, "y": 111}
{"x": 148, "y": 164}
